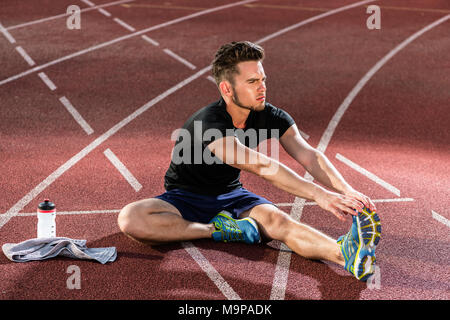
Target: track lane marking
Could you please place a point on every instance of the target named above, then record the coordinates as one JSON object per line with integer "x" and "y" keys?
{"x": 282, "y": 204}
{"x": 90, "y": 4}
{"x": 25, "y": 55}
{"x": 104, "y": 12}
{"x": 47, "y": 81}
{"x": 123, "y": 170}
{"x": 25, "y": 24}
{"x": 275, "y": 6}
{"x": 124, "y": 24}
{"x": 179, "y": 59}
{"x": 312, "y": 19}
{"x": 125, "y": 37}
{"x": 210, "y": 271}
{"x": 150, "y": 40}
{"x": 7, "y": 35}
{"x": 436, "y": 216}
{"x": 313, "y": 203}
{"x": 282, "y": 267}
{"x": 76, "y": 115}
{"x": 156, "y": 6}
{"x": 368, "y": 174}
{"x": 326, "y": 137}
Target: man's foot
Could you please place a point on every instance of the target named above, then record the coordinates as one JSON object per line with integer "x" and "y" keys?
{"x": 358, "y": 245}
{"x": 235, "y": 230}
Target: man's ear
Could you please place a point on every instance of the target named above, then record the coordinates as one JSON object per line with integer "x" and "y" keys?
{"x": 225, "y": 88}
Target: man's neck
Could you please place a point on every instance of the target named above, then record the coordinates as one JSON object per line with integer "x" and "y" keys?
{"x": 238, "y": 115}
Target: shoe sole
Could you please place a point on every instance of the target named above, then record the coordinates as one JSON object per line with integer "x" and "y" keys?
{"x": 369, "y": 228}
{"x": 369, "y": 233}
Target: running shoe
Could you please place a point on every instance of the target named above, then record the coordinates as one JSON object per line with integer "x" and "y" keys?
{"x": 235, "y": 230}
{"x": 358, "y": 245}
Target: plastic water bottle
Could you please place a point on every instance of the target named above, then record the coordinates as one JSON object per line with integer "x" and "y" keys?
{"x": 46, "y": 213}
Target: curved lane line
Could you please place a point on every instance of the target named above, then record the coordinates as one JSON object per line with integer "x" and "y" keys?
{"x": 279, "y": 288}
{"x": 326, "y": 137}
{"x": 62, "y": 15}
{"x": 116, "y": 40}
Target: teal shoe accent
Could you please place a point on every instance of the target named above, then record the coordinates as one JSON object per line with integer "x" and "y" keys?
{"x": 235, "y": 230}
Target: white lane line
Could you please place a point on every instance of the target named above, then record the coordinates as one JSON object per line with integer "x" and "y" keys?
{"x": 47, "y": 80}
{"x": 123, "y": 170}
{"x": 88, "y": 3}
{"x": 440, "y": 218}
{"x": 25, "y": 55}
{"x": 313, "y": 203}
{"x": 30, "y": 214}
{"x": 179, "y": 59}
{"x": 76, "y": 115}
{"x": 308, "y": 203}
{"x": 125, "y": 37}
{"x": 7, "y": 34}
{"x": 312, "y": 19}
{"x": 210, "y": 271}
{"x": 104, "y": 12}
{"x": 25, "y": 24}
{"x": 150, "y": 40}
{"x": 281, "y": 274}
{"x": 326, "y": 137}
{"x": 124, "y": 24}
{"x": 393, "y": 200}
{"x": 368, "y": 174}
{"x": 15, "y": 209}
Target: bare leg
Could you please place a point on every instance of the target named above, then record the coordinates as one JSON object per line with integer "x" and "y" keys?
{"x": 154, "y": 221}
{"x": 300, "y": 238}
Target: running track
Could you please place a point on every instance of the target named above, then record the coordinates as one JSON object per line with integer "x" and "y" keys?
{"x": 78, "y": 106}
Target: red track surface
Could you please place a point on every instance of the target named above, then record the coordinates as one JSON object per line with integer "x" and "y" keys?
{"x": 396, "y": 128}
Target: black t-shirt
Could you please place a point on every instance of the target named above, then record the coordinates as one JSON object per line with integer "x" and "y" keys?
{"x": 194, "y": 168}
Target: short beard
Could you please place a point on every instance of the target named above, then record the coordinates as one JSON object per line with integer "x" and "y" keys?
{"x": 237, "y": 102}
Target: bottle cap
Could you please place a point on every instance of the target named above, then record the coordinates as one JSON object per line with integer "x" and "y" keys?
{"x": 46, "y": 205}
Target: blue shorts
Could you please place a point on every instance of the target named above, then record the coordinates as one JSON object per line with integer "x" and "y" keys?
{"x": 202, "y": 208}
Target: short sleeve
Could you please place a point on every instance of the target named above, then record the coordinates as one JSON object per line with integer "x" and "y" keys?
{"x": 276, "y": 119}
{"x": 284, "y": 121}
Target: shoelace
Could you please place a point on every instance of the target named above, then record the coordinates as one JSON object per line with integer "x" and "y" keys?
{"x": 229, "y": 230}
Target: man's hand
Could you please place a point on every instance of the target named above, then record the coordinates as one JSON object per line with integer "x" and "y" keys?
{"x": 338, "y": 204}
{"x": 360, "y": 197}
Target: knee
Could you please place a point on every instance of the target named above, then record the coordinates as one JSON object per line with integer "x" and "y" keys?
{"x": 128, "y": 219}
{"x": 277, "y": 225}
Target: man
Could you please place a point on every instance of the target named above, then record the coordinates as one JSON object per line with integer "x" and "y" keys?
{"x": 205, "y": 199}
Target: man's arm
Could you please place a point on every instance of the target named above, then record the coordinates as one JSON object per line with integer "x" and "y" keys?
{"x": 232, "y": 152}
{"x": 318, "y": 165}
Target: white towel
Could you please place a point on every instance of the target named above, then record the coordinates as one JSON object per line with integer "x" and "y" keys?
{"x": 46, "y": 248}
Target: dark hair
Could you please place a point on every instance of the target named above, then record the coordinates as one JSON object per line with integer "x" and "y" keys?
{"x": 230, "y": 54}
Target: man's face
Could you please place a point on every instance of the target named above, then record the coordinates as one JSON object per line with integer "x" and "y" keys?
{"x": 249, "y": 89}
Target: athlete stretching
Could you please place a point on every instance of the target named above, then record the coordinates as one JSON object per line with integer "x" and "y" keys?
{"x": 205, "y": 199}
